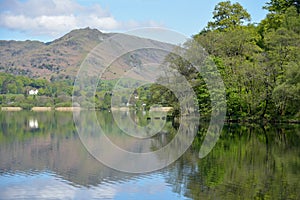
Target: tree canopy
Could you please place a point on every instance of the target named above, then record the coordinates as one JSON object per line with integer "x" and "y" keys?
{"x": 227, "y": 15}
{"x": 280, "y": 6}
{"x": 259, "y": 63}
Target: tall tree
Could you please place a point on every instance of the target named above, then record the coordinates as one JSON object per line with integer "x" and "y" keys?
{"x": 279, "y": 12}
{"x": 280, "y": 6}
{"x": 227, "y": 15}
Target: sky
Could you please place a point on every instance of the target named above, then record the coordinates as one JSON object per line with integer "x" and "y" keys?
{"x": 46, "y": 20}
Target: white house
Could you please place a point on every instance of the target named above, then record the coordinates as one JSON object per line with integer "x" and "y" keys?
{"x": 33, "y": 92}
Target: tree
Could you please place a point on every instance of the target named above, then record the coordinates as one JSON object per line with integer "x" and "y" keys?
{"x": 280, "y": 6}
{"x": 281, "y": 13}
{"x": 237, "y": 55}
{"x": 287, "y": 94}
{"x": 291, "y": 20}
{"x": 227, "y": 15}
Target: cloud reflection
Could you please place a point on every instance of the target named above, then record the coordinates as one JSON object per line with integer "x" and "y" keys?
{"x": 47, "y": 185}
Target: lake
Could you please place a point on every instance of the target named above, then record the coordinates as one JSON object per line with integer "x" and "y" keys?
{"x": 42, "y": 157}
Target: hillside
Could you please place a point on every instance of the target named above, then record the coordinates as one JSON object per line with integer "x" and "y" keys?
{"x": 57, "y": 59}
{"x": 61, "y": 58}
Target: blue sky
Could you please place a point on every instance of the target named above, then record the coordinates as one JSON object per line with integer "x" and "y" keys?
{"x": 46, "y": 20}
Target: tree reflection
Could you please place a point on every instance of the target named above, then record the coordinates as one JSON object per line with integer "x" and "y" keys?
{"x": 248, "y": 162}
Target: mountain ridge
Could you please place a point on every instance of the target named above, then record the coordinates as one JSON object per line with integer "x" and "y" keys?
{"x": 59, "y": 58}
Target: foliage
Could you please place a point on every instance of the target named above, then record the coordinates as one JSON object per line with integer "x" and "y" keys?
{"x": 259, "y": 64}
{"x": 280, "y": 6}
{"x": 227, "y": 15}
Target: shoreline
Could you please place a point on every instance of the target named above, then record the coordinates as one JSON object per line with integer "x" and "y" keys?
{"x": 41, "y": 109}
{"x": 11, "y": 108}
{"x": 71, "y": 109}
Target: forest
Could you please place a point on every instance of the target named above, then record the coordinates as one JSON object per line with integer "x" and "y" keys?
{"x": 259, "y": 64}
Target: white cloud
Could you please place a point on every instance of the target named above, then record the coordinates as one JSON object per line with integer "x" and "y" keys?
{"x": 56, "y": 17}
{"x": 39, "y": 25}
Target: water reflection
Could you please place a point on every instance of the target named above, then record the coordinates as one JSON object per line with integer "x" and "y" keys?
{"x": 136, "y": 155}
{"x": 248, "y": 162}
{"x": 33, "y": 123}
{"x": 47, "y": 185}
{"x": 50, "y": 162}
{"x": 54, "y": 146}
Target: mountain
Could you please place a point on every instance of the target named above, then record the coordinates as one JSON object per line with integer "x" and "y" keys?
{"x": 59, "y": 58}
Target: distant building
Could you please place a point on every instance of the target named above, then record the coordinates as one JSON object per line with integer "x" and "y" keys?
{"x": 33, "y": 92}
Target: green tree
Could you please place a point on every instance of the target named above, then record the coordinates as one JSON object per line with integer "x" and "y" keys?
{"x": 281, "y": 12}
{"x": 291, "y": 20}
{"x": 227, "y": 15}
{"x": 287, "y": 94}
{"x": 280, "y": 6}
{"x": 238, "y": 56}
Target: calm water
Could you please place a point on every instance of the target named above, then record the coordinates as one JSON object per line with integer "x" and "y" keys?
{"x": 42, "y": 157}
